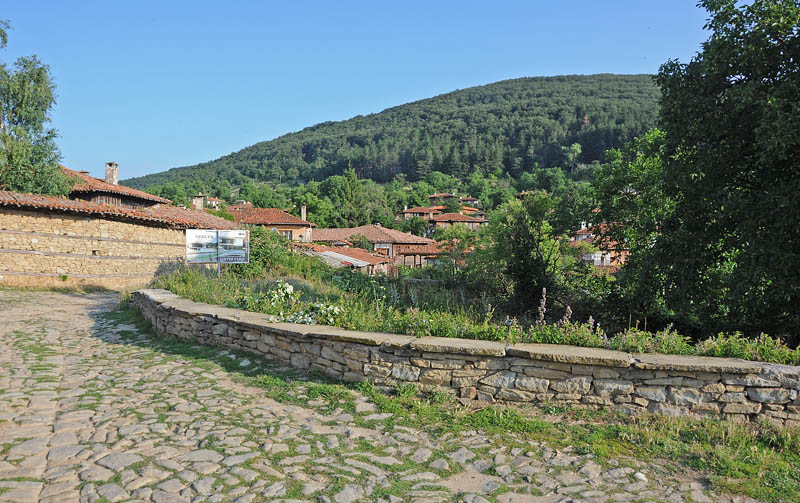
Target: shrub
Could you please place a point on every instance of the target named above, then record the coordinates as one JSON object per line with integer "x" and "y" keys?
{"x": 735, "y": 345}
{"x": 669, "y": 341}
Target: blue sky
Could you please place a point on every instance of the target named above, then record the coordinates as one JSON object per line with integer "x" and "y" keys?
{"x": 154, "y": 85}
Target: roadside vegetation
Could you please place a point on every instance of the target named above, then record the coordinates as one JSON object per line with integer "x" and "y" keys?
{"x": 297, "y": 288}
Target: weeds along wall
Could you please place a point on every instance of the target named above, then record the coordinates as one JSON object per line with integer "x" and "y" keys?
{"x": 492, "y": 371}
{"x": 47, "y": 248}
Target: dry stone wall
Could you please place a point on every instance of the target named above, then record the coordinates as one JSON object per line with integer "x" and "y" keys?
{"x": 493, "y": 371}
{"x": 46, "y": 248}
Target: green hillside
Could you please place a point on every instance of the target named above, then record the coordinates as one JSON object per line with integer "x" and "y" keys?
{"x": 513, "y": 126}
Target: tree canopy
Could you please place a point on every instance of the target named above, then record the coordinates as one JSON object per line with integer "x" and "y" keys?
{"x": 732, "y": 153}
{"x": 28, "y": 152}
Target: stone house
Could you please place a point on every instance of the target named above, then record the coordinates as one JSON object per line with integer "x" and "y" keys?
{"x": 610, "y": 254}
{"x": 293, "y": 228}
{"x": 105, "y": 235}
{"x": 447, "y": 219}
{"x": 389, "y": 242}
{"x": 352, "y": 258}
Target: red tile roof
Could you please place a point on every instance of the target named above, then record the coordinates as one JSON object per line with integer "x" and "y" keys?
{"x": 441, "y": 194}
{"x": 469, "y": 198}
{"x": 356, "y": 253}
{"x": 456, "y": 217}
{"x": 267, "y": 216}
{"x": 162, "y": 215}
{"x": 419, "y": 209}
{"x": 429, "y": 250}
{"x": 88, "y": 183}
{"x": 375, "y": 233}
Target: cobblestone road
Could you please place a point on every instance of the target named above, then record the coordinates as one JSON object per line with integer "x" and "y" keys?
{"x": 91, "y": 410}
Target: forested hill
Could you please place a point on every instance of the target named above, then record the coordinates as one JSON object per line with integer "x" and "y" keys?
{"x": 511, "y": 125}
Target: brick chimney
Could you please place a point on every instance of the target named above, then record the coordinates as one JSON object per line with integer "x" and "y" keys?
{"x": 303, "y": 212}
{"x": 199, "y": 202}
{"x": 112, "y": 173}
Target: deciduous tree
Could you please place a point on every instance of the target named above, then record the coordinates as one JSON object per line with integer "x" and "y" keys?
{"x": 732, "y": 155}
{"x": 28, "y": 152}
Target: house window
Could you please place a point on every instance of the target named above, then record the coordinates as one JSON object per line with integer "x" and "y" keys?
{"x": 287, "y": 234}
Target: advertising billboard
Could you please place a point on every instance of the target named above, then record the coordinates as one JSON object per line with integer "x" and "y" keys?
{"x": 201, "y": 246}
{"x": 234, "y": 247}
{"x": 210, "y": 246}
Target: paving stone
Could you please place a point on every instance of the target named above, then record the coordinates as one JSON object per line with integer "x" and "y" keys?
{"x": 29, "y": 447}
{"x": 204, "y": 485}
{"x": 462, "y": 455}
{"x": 95, "y": 473}
{"x": 112, "y": 492}
{"x": 276, "y": 489}
{"x": 201, "y": 455}
{"x": 349, "y": 494}
{"x": 119, "y": 460}
{"x": 421, "y": 455}
{"x": 237, "y": 460}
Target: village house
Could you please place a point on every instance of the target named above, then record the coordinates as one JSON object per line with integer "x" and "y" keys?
{"x": 421, "y": 255}
{"x": 103, "y": 235}
{"x": 425, "y": 213}
{"x": 448, "y": 219}
{"x": 293, "y": 228}
{"x": 442, "y": 196}
{"x": 214, "y": 203}
{"x": 433, "y": 214}
{"x": 356, "y": 259}
{"x": 388, "y": 242}
{"x": 202, "y": 201}
{"x": 472, "y": 211}
{"x": 610, "y": 254}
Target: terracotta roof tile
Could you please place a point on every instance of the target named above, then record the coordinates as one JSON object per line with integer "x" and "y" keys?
{"x": 456, "y": 217}
{"x": 163, "y": 215}
{"x": 429, "y": 250}
{"x": 87, "y": 183}
{"x": 375, "y": 233}
{"x": 418, "y": 209}
{"x": 267, "y": 216}
{"x": 356, "y": 253}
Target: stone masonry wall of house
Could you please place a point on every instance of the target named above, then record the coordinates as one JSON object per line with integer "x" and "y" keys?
{"x": 493, "y": 371}
{"x": 46, "y": 248}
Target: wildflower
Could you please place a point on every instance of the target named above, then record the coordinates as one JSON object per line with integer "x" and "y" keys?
{"x": 567, "y": 315}
{"x": 542, "y": 308}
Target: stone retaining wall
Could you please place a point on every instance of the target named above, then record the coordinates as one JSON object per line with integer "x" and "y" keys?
{"x": 494, "y": 371}
{"x": 47, "y": 248}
